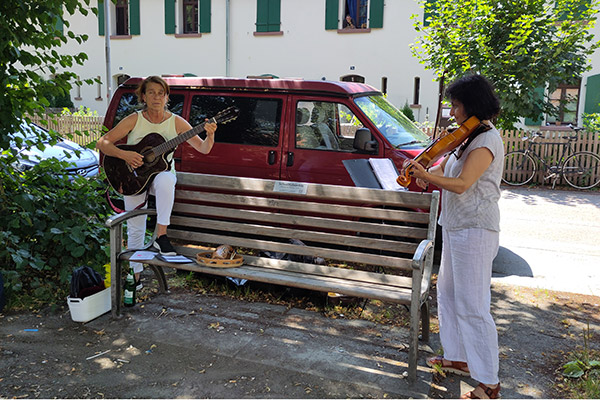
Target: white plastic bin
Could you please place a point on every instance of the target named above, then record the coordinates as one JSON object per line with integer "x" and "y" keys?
{"x": 88, "y": 308}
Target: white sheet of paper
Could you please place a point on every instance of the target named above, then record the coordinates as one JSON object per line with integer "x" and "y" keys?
{"x": 176, "y": 259}
{"x": 143, "y": 255}
{"x": 386, "y": 173}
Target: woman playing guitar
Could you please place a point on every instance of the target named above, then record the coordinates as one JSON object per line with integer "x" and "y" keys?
{"x": 470, "y": 218}
{"x": 153, "y": 92}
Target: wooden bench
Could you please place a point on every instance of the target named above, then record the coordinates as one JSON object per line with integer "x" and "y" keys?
{"x": 377, "y": 244}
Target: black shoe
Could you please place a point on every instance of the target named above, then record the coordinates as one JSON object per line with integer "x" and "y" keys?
{"x": 163, "y": 245}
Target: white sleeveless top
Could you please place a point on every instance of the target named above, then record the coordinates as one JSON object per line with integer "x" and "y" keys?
{"x": 478, "y": 206}
{"x": 143, "y": 127}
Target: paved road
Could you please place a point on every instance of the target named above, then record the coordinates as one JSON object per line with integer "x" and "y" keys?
{"x": 550, "y": 239}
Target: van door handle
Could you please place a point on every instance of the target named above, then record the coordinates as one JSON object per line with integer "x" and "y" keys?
{"x": 272, "y": 154}
{"x": 290, "y": 159}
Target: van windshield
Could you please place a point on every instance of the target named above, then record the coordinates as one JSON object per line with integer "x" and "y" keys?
{"x": 395, "y": 126}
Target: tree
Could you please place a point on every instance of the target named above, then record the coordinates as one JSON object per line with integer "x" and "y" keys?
{"x": 520, "y": 46}
{"x": 30, "y": 33}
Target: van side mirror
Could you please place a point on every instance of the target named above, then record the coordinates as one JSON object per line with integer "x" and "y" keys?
{"x": 363, "y": 141}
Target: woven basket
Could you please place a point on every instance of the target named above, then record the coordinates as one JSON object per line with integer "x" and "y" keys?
{"x": 205, "y": 259}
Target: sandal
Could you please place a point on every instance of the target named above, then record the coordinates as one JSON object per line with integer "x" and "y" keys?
{"x": 455, "y": 367}
{"x": 490, "y": 393}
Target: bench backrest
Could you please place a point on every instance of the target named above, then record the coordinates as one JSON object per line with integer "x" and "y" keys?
{"x": 370, "y": 229}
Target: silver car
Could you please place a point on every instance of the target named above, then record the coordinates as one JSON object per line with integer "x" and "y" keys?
{"x": 83, "y": 162}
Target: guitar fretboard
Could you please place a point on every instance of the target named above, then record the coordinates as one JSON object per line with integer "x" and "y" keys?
{"x": 176, "y": 141}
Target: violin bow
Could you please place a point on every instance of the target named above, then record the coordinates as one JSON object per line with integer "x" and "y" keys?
{"x": 438, "y": 115}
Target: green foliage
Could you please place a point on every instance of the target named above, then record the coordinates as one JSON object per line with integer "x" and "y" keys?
{"x": 49, "y": 226}
{"x": 584, "y": 371}
{"x": 518, "y": 45}
{"x": 591, "y": 122}
{"x": 56, "y": 98}
{"x": 81, "y": 112}
{"x": 408, "y": 112}
{"x": 31, "y": 32}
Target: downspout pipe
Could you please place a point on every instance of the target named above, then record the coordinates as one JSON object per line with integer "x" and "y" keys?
{"x": 107, "y": 50}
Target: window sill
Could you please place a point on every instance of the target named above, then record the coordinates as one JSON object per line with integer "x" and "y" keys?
{"x": 355, "y": 30}
{"x": 278, "y": 33}
{"x": 119, "y": 37}
{"x": 188, "y": 35}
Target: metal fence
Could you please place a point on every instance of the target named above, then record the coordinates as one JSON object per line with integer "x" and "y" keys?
{"x": 88, "y": 129}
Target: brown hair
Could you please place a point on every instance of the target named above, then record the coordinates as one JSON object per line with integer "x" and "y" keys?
{"x": 151, "y": 79}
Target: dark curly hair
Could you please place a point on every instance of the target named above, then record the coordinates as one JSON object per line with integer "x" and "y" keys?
{"x": 476, "y": 94}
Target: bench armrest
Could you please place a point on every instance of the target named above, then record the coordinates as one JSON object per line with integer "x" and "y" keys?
{"x": 118, "y": 219}
{"x": 422, "y": 264}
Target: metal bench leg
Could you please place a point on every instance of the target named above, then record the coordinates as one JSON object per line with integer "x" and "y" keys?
{"x": 425, "y": 321}
{"x": 160, "y": 277}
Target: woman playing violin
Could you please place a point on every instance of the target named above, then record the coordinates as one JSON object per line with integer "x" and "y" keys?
{"x": 470, "y": 217}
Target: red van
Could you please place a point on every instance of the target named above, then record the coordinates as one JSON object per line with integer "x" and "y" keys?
{"x": 288, "y": 129}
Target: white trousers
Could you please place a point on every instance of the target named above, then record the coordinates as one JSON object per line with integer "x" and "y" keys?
{"x": 467, "y": 329}
{"x": 163, "y": 187}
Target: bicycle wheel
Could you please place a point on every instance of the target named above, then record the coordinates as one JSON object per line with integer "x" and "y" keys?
{"x": 519, "y": 168}
{"x": 582, "y": 170}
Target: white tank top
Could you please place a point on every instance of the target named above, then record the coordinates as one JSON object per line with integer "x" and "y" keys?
{"x": 144, "y": 127}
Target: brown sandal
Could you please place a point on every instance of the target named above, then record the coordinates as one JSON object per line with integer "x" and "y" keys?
{"x": 454, "y": 367}
{"x": 490, "y": 393}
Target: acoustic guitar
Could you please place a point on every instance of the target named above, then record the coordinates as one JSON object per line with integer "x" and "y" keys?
{"x": 154, "y": 149}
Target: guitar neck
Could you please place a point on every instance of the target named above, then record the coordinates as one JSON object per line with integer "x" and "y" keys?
{"x": 176, "y": 141}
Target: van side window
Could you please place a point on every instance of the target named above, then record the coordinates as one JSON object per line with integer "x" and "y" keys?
{"x": 325, "y": 126}
{"x": 128, "y": 104}
{"x": 258, "y": 122}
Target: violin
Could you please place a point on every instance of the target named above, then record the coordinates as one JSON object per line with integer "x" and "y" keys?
{"x": 440, "y": 147}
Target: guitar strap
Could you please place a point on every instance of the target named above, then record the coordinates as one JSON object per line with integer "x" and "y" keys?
{"x": 118, "y": 209}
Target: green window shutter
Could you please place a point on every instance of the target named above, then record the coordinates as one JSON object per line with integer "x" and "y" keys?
{"x": 538, "y": 93}
{"x": 268, "y": 15}
{"x": 134, "y": 17}
{"x": 205, "y": 16}
{"x": 262, "y": 15}
{"x": 274, "y": 15}
{"x": 169, "y": 17}
{"x": 376, "y": 14}
{"x": 332, "y": 11}
{"x": 101, "y": 17}
{"x": 592, "y": 94}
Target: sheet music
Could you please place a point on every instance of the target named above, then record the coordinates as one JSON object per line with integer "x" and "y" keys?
{"x": 386, "y": 173}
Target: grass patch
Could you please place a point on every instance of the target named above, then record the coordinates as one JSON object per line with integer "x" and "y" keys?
{"x": 580, "y": 375}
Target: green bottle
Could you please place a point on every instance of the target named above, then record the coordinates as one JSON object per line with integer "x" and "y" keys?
{"x": 129, "y": 292}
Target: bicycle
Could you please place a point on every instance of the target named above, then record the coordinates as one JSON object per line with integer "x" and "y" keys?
{"x": 580, "y": 169}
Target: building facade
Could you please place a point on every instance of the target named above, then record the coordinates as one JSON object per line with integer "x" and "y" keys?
{"x": 309, "y": 39}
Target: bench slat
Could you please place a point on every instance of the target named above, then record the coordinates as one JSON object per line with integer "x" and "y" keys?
{"x": 178, "y": 222}
{"x": 300, "y": 220}
{"x": 306, "y": 206}
{"x": 304, "y": 281}
{"x": 313, "y": 190}
{"x": 348, "y": 256}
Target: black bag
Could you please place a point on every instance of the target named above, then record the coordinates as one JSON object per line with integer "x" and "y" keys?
{"x": 2, "y": 298}
{"x": 85, "y": 282}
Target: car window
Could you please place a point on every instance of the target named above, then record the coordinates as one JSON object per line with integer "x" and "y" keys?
{"x": 258, "y": 122}
{"x": 128, "y": 104}
{"x": 392, "y": 123}
{"x": 325, "y": 126}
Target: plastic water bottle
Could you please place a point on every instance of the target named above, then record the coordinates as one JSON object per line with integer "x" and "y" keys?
{"x": 129, "y": 292}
